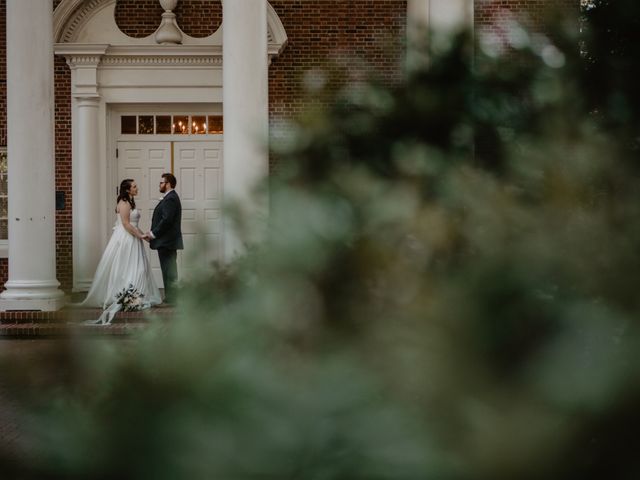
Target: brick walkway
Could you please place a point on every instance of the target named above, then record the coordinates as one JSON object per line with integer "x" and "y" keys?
{"x": 26, "y": 365}
{"x": 30, "y": 338}
{"x": 17, "y": 353}
{"x": 69, "y": 321}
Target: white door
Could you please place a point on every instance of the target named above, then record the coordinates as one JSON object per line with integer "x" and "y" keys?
{"x": 145, "y": 162}
{"x": 198, "y": 170}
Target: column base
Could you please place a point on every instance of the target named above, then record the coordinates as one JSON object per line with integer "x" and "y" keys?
{"x": 32, "y": 295}
{"x": 38, "y": 304}
{"x": 82, "y": 286}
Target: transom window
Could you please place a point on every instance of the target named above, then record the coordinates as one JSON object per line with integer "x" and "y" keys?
{"x": 197, "y": 124}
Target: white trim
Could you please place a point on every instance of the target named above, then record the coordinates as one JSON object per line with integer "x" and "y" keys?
{"x": 276, "y": 34}
{"x": 115, "y": 111}
{"x": 72, "y": 17}
{"x": 63, "y": 13}
{"x": 124, "y": 73}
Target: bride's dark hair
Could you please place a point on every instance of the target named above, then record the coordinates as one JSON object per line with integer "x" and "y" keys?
{"x": 125, "y": 186}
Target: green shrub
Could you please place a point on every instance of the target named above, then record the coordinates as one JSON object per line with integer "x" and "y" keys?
{"x": 447, "y": 290}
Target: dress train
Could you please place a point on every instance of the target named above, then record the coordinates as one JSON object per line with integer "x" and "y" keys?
{"x": 124, "y": 263}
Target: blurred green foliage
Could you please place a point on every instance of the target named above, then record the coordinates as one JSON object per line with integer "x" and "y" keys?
{"x": 447, "y": 290}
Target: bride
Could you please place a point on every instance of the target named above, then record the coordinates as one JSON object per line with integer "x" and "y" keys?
{"x": 124, "y": 262}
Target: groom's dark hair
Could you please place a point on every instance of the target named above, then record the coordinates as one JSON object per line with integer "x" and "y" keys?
{"x": 170, "y": 178}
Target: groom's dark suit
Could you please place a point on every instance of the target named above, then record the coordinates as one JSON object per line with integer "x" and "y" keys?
{"x": 165, "y": 227}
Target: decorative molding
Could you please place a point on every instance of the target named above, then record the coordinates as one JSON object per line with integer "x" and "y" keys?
{"x": 163, "y": 55}
{"x": 88, "y": 101}
{"x": 276, "y": 35}
{"x": 79, "y": 55}
{"x": 165, "y": 50}
{"x": 83, "y": 61}
{"x": 71, "y": 16}
{"x": 80, "y": 48}
{"x": 87, "y": 55}
{"x": 160, "y": 61}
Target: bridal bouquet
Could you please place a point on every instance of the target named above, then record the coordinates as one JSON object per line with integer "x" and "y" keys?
{"x": 130, "y": 298}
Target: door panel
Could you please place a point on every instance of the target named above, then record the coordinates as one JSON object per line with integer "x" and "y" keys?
{"x": 198, "y": 170}
{"x": 145, "y": 162}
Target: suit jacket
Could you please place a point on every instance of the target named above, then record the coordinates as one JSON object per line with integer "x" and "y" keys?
{"x": 165, "y": 223}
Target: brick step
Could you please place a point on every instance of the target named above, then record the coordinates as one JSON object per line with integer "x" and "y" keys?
{"x": 69, "y": 322}
{"x": 78, "y": 315}
{"x": 48, "y": 330}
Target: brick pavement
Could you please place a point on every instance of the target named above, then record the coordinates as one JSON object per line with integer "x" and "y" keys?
{"x": 69, "y": 321}
{"x": 33, "y": 339}
{"x": 25, "y": 366}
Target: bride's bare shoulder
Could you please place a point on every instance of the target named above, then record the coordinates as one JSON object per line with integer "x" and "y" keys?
{"x": 123, "y": 207}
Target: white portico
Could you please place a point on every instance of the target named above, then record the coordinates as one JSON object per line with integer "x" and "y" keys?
{"x": 114, "y": 75}
{"x": 168, "y": 74}
{"x": 165, "y": 74}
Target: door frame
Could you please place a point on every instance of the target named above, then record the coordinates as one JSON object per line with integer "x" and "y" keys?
{"x": 115, "y": 111}
{"x": 202, "y": 224}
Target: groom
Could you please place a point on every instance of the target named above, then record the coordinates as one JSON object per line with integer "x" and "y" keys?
{"x": 165, "y": 234}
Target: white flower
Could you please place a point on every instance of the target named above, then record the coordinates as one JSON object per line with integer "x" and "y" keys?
{"x": 130, "y": 299}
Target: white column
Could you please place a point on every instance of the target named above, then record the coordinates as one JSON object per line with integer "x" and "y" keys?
{"x": 450, "y": 15}
{"x": 417, "y": 16}
{"x": 435, "y": 21}
{"x": 83, "y": 60}
{"x": 245, "y": 109}
{"x": 417, "y": 33}
{"x": 32, "y": 283}
{"x": 87, "y": 245}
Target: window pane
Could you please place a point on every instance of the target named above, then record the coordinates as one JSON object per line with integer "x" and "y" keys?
{"x": 4, "y": 230}
{"x": 163, "y": 124}
{"x": 128, "y": 125}
{"x": 215, "y": 124}
{"x": 3, "y": 207}
{"x": 145, "y": 124}
{"x": 199, "y": 124}
{"x": 181, "y": 124}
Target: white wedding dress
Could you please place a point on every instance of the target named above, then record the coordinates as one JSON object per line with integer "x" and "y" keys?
{"x": 123, "y": 263}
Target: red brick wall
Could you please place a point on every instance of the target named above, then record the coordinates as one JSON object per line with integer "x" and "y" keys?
{"x": 493, "y": 16}
{"x": 64, "y": 253}
{"x": 347, "y": 34}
